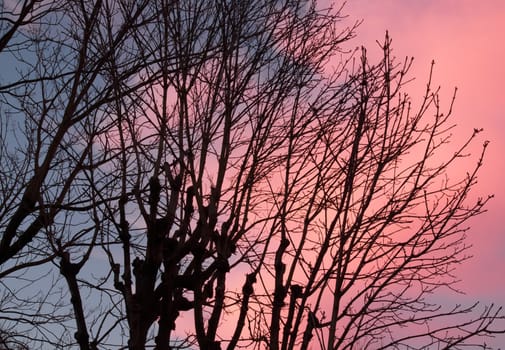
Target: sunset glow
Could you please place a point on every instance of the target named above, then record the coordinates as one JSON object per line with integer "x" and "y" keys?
{"x": 465, "y": 39}
{"x": 254, "y": 174}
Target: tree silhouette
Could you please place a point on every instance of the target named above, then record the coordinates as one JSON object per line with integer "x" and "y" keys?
{"x": 221, "y": 174}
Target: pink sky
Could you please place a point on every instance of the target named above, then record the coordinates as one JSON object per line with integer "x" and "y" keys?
{"x": 466, "y": 38}
{"x": 465, "y": 42}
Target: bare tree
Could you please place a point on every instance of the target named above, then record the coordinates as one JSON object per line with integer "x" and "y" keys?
{"x": 53, "y": 113}
{"x": 190, "y": 173}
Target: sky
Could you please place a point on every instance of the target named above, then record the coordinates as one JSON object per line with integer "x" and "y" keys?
{"x": 465, "y": 38}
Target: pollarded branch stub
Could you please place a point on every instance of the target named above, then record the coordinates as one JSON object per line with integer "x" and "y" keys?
{"x": 213, "y": 204}
{"x": 279, "y": 295}
{"x": 138, "y": 266}
{"x": 225, "y": 227}
{"x": 174, "y": 181}
{"x": 222, "y": 264}
{"x": 117, "y": 283}
{"x": 154, "y": 190}
{"x": 284, "y": 243}
{"x": 296, "y": 291}
{"x": 248, "y": 288}
{"x": 124, "y": 234}
{"x": 67, "y": 268}
{"x": 190, "y": 194}
{"x": 280, "y": 268}
{"x": 314, "y": 321}
{"x": 224, "y": 245}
